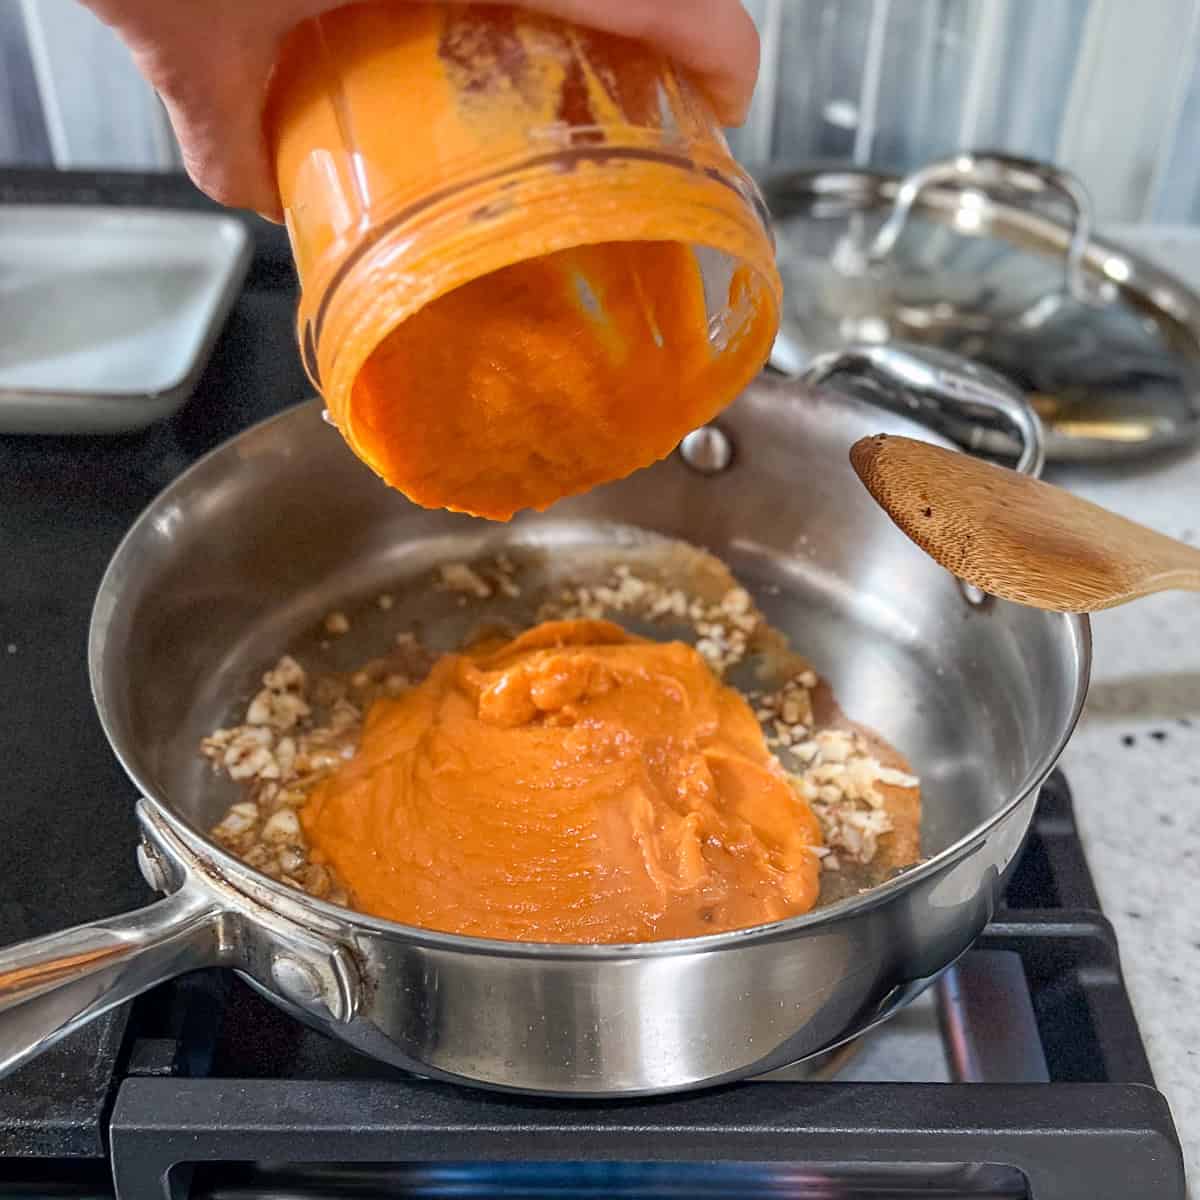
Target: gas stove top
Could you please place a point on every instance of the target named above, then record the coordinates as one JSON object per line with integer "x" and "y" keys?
{"x": 1021, "y": 1073}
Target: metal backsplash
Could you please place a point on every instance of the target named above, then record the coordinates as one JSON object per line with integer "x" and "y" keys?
{"x": 1109, "y": 88}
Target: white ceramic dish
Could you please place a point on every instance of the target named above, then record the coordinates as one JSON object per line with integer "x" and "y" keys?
{"x": 108, "y": 314}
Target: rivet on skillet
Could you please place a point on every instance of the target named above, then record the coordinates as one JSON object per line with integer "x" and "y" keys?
{"x": 151, "y": 867}
{"x": 296, "y": 980}
{"x": 707, "y": 450}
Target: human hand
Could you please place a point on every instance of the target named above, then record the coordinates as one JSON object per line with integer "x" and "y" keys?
{"x": 211, "y": 60}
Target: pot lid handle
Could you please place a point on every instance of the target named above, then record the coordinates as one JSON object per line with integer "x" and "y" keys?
{"x": 989, "y": 171}
{"x": 939, "y": 388}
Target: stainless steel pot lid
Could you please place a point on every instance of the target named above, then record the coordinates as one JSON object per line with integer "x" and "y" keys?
{"x": 993, "y": 257}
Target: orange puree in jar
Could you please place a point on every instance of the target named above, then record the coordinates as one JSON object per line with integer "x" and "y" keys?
{"x": 575, "y": 369}
{"x": 574, "y": 784}
{"x": 528, "y": 262}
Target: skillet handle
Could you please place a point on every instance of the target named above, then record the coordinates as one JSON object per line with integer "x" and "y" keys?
{"x": 945, "y": 391}
{"x": 52, "y": 985}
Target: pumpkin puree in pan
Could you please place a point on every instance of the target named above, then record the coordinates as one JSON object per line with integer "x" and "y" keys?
{"x": 573, "y": 784}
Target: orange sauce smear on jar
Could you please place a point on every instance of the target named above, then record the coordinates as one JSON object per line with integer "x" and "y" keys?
{"x": 574, "y": 784}
{"x": 528, "y": 263}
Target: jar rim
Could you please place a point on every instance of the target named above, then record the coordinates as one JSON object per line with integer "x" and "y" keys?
{"x": 737, "y": 181}
{"x": 713, "y": 204}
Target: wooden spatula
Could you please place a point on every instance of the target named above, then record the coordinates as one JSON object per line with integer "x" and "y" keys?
{"x": 1017, "y": 537}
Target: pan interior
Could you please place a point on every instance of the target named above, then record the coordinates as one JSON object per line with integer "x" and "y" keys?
{"x": 242, "y": 558}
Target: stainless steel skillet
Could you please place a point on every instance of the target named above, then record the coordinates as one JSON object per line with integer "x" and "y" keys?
{"x": 244, "y": 553}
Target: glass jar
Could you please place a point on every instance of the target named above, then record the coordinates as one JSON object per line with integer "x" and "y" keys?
{"x": 528, "y": 262}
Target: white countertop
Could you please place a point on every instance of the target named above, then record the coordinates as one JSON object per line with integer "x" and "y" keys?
{"x": 1134, "y": 768}
{"x": 1134, "y": 763}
